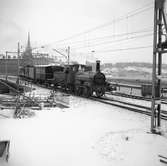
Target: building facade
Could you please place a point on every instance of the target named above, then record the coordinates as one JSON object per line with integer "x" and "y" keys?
{"x": 10, "y": 65}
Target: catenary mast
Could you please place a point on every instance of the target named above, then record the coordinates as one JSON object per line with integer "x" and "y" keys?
{"x": 159, "y": 48}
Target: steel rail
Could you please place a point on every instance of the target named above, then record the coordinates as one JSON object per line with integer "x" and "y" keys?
{"x": 121, "y": 104}
{"x": 134, "y": 97}
{"x": 128, "y": 106}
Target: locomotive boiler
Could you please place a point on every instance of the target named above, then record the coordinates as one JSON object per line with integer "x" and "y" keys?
{"x": 89, "y": 82}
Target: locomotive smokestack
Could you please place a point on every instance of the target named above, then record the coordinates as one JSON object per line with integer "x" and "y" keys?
{"x": 97, "y": 66}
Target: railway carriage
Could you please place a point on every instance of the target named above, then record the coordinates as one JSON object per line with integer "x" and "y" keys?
{"x": 143, "y": 90}
{"x": 31, "y": 73}
{"x": 146, "y": 90}
{"x": 44, "y": 73}
{"x": 27, "y": 72}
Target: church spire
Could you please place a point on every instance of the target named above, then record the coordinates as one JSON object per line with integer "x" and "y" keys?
{"x": 27, "y": 55}
{"x": 28, "y": 43}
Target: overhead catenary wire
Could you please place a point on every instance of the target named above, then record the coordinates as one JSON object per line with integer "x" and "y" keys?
{"x": 124, "y": 49}
{"x": 119, "y": 40}
{"x": 104, "y": 25}
{"x": 130, "y": 14}
{"x": 116, "y": 41}
{"x": 129, "y": 37}
{"x": 109, "y": 36}
{"x": 101, "y": 40}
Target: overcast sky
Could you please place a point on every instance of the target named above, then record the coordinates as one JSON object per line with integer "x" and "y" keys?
{"x": 53, "y": 20}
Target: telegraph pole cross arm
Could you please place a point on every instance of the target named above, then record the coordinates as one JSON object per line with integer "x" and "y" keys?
{"x": 64, "y": 55}
{"x": 159, "y": 48}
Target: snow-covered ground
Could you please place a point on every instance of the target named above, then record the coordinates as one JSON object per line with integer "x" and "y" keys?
{"x": 86, "y": 134}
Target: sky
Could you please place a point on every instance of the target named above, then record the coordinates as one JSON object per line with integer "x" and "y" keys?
{"x": 53, "y": 20}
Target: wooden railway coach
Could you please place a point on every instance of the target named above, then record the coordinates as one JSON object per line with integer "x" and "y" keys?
{"x": 43, "y": 73}
{"x": 27, "y": 73}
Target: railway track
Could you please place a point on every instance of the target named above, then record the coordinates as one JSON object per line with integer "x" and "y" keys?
{"x": 126, "y": 105}
{"x": 163, "y": 101}
{"x": 129, "y": 106}
{"x": 122, "y": 104}
{"x": 4, "y": 116}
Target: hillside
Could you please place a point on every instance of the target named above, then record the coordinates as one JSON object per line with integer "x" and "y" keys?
{"x": 136, "y": 70}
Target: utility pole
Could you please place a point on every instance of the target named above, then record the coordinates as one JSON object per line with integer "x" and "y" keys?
{"x": 6, "y": 67}
{"x": 18, "y": 63}
{"x": 159, "y": 47}
{"x": 68, "y": 55}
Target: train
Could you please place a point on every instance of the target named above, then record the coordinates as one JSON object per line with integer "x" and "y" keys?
{"x": 81, "y": 80}
{"x": 76, "y": 78}
{"x": 141, "y": 90}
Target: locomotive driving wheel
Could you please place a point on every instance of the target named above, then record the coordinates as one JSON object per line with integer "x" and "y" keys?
{"x": 78, "y": 91}
{"x": 87, "y": 91}
{"x": 99, "y": 92}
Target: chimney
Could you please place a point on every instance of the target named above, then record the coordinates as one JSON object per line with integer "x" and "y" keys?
{"x": 98, "y": 66}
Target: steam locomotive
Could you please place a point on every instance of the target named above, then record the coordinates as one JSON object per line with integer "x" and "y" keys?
{"x": 77, "y": 78}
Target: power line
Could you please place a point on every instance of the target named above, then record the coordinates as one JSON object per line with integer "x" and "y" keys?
{"x": 124, "y": 49}
{"x": 115, "y": 41}
{"x": 108, "y": 37}
{"x": 130, "y": 14}
{"x": 104, "y": 25}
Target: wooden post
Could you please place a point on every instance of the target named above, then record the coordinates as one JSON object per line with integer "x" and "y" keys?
{"x": 6, "y": 67}
{"x": 18, "y": 56}
{"x": 68, "y": 55}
